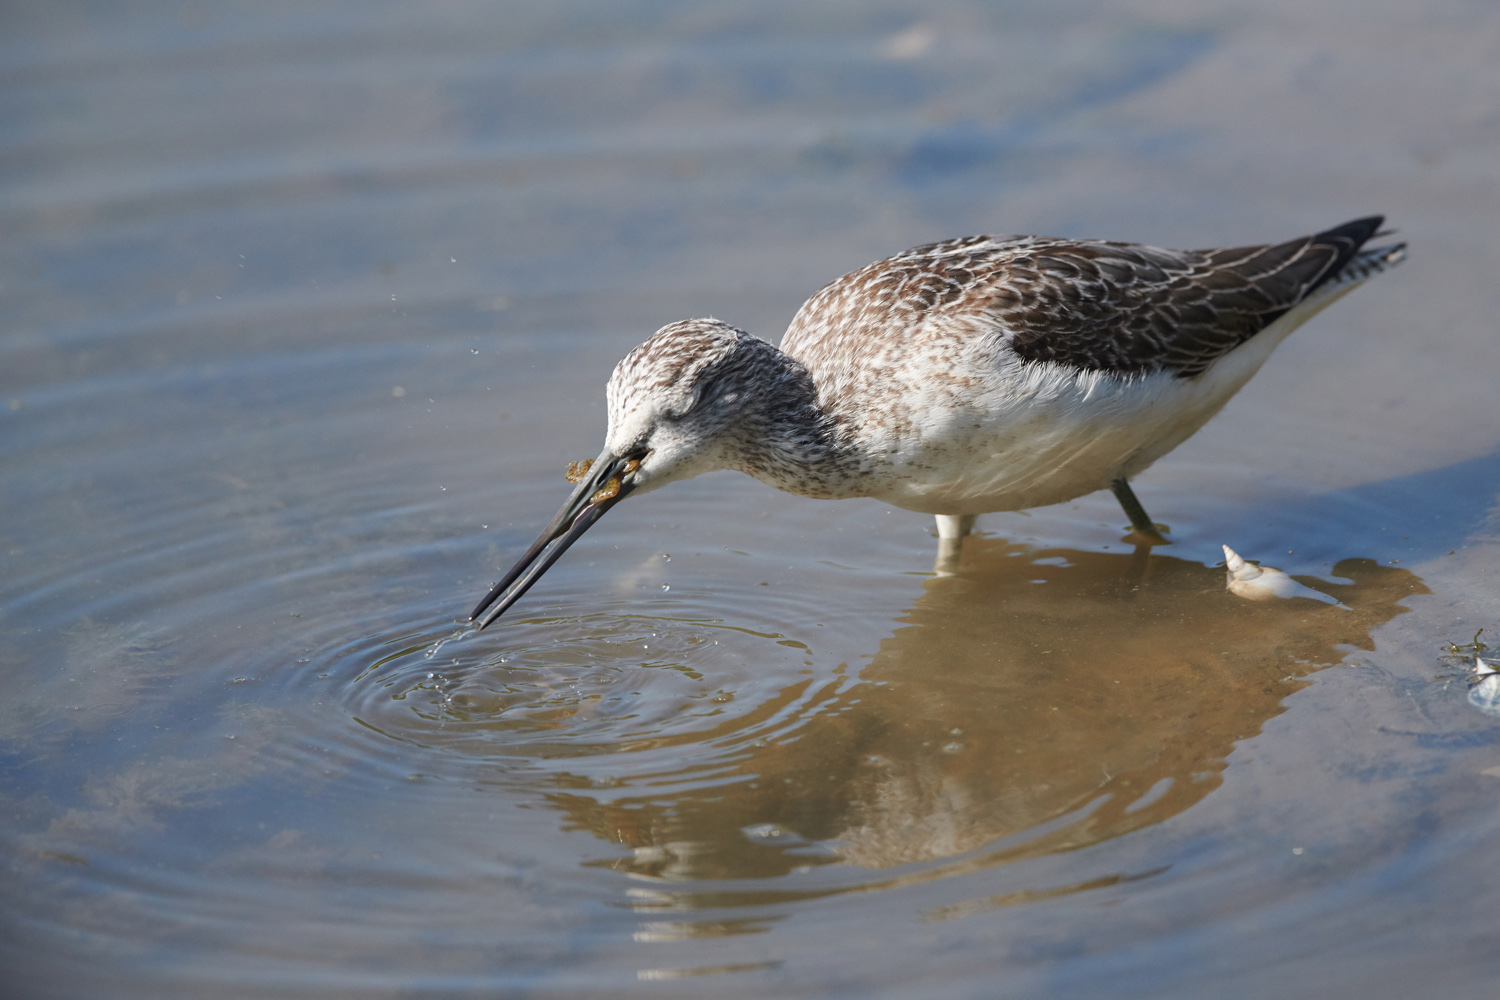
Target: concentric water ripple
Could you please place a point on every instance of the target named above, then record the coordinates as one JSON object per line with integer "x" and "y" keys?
{"x": 570, "y": 686}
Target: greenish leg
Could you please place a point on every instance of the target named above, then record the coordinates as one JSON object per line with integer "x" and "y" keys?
{"x": 1139, "y": 519}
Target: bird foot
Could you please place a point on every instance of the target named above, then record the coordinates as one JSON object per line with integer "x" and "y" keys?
{"x": 1156, "y": 535}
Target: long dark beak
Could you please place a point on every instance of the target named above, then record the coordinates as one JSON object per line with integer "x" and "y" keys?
{"x": 606, "y": 483}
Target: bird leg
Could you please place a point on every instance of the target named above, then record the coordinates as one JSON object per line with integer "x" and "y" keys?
{"x": 1144, "y": 527}
{"x": 951, "y": 531}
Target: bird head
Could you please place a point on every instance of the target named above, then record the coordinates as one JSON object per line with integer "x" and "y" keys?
{"x": 672, "y": 415}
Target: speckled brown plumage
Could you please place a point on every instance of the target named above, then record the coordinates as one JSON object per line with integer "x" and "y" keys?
{"x": 1121, "y": 308}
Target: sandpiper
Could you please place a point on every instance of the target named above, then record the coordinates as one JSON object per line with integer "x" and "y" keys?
{"x": 978, "y": 374}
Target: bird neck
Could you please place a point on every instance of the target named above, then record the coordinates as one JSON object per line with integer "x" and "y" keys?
{"x": 785, "y": 439}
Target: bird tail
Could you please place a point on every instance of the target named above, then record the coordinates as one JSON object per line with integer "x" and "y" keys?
{"x": 1353, "y": 263}
{"x": 1359, "y": 265}
{"x": 1365, "y": 264}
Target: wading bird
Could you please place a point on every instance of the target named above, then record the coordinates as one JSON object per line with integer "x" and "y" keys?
{"x": 974, "y": 375}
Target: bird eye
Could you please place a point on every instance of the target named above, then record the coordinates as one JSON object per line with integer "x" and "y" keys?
{"x": 688, "y": 405}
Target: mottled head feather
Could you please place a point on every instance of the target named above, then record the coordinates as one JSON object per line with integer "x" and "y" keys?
{"x": 700, "y": 395}
{"x": 664, "y": 377}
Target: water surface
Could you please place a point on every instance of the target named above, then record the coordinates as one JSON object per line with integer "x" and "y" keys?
{"x": 305, "y": 313}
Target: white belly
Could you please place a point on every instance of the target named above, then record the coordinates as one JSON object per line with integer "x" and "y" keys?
{"x": 1045, "y": 434}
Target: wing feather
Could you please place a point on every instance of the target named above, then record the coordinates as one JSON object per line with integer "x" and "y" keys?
{"x": 1120, "y": 307}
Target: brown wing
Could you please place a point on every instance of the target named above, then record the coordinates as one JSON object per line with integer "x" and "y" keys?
{"x": 1117, "y": 307}
{"x": 1135, "y": 309}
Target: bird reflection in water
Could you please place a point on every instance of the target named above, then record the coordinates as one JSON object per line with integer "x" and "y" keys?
{"x": 1090, "y": 702}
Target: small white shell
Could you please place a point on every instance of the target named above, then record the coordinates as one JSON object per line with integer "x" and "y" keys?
{"x": 1263, "y": 583}
{"x": 1257, "y": 583}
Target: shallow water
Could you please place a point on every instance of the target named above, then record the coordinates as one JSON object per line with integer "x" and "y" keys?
{"x": 306, "y": 312}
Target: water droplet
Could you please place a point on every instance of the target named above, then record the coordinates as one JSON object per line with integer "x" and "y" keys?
{"x": 666, "y": 587}
{"x": 393, "y": 298}
{"x": 473, "y": 350}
